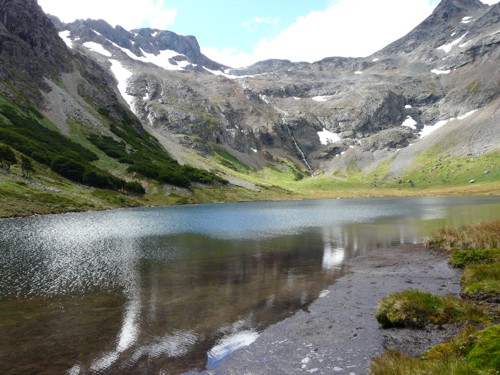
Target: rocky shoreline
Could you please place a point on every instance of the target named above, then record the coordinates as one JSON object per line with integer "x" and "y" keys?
{"x": 338, "y": 334}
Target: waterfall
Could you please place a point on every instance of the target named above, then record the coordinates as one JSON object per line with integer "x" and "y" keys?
{"x": 284, "y": 114}
{"x": 304, "y": 159}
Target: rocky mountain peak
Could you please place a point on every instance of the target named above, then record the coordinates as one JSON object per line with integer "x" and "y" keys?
{"x": 139, "y": 42}
{"x": 451, "y": 9}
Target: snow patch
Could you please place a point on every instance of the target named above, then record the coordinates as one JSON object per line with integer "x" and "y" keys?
{"x": 161, "y": 60}
{"x": 407, "y": 106}
{"x": 322, "y": 98}
{"x": 466, "y": 115}
{"x": 358, "y": 72}
{"x": 375, "y": 59}
{"x": 154, "y": 34}
{"x": 96, "y": 47}
{"x": 464, "y": 44}
{"x": 428, "y": 129}
{"x": 122, "y": 75}
{"x": 64, "y": 35}
{"x": 98, "y": 33}
{"x": 466, "y": 19}
{"x": 447, "y": 47}
{"x": 327, "y": 137}
{"x": 438, "y": 72}
{"x": 230, "y": 76}
{"x": 296, "y": 98}
{"x": 254, "y": 150}
{"x": 409, "y": 122}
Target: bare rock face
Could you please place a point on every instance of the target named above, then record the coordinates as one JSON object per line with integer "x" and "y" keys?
{"x": 30, "y": 48}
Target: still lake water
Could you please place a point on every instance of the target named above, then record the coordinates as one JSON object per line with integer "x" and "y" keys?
{"x": 176, "y": 289}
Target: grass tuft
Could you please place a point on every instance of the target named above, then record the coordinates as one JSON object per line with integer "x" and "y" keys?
{"x": 462, "y": 258}
{"x": 476, "y": 248}
{"x": 484, "y": 235}
{"x": 469, "y": 352}
{"x": 482, "y": 281}
{"x": 416, "y": 309}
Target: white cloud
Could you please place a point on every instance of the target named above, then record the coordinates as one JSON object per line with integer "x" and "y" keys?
{"x": 346, "y": 28}
{"x": 125, "y": 13}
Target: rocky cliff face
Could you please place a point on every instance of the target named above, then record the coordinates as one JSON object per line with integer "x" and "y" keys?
{"x": 323, "y": 116}
{"x": 30, "y": 49}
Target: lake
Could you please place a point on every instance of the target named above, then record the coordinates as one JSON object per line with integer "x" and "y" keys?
{"x": 177, "y": 289}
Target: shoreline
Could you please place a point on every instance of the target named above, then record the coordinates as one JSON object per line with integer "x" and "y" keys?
{"x": 287, "y": 198}
{"x": 339, "y": 334}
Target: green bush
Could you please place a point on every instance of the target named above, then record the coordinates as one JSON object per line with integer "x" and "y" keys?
{"x": 68, "y": 168}
{"x": 7, "y": 157}
{"x": 109, "y": 146}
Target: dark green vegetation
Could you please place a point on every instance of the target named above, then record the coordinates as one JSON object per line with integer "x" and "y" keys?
{"x": 44, "y": 171}
{"x": 25, "y": 133}
{"x": 144, "y": 156}
{"x": 476, "y": 349}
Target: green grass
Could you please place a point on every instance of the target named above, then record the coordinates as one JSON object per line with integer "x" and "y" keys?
{"x": 461, "y": 258}
{"x": 477, "y": 249}
{"x": 416, "y": 309}
{"x": 472, "y": 351}
{"x": 225, "y": 158}
{"x": 482, "y": 281}
{"x": 486, "y": 352}
{"x": 395, "y": 363}
{"x": 434, "y": 167}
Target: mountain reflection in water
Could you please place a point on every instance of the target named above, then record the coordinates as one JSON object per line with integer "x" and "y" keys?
{"x": 179, "y": 288}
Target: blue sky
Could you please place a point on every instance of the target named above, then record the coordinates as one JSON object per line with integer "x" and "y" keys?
{"x": 240, "y": 32}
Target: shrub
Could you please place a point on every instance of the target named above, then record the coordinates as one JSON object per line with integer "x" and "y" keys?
{"x": 7, "y": 157}
{"x": 109, "y": 146}
{"x": 68, "y": 168}
{"x": 134, "y": 188}
{"x": 26, "y": 166}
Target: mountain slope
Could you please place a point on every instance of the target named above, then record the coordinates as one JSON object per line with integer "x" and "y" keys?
{"x": 136, "y": 108}
{"x": 61, "y": 109}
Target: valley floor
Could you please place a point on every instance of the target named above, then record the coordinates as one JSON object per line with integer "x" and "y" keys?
{"x": 338, "y": 334}
{"x": 42, "y": 195}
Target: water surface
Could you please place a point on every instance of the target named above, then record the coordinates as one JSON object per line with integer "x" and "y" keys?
{"x": 177, "y": 289}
